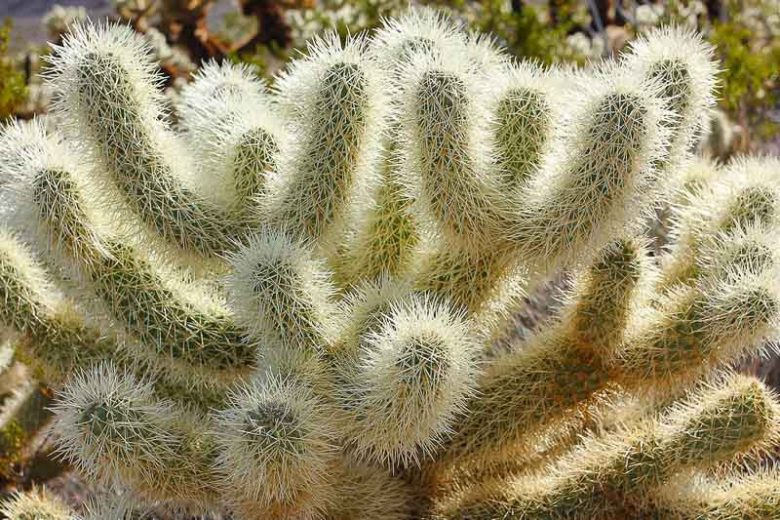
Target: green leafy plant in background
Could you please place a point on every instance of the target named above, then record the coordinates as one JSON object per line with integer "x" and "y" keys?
{"x": 750, "y": 76}
{"x": 527, "y": 30}
{"x": 12, "y": 83}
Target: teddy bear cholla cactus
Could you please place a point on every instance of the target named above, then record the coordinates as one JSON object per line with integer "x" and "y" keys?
{"x": 298, "y": 291}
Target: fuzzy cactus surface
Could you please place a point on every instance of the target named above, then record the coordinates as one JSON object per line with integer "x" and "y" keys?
{"x": 286, "y": 306}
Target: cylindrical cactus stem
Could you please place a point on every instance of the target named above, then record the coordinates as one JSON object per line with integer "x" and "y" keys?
{"x": 105, "y": 89}
{"x": 450, "y": 176}
{"x": 182, "y": 323}
{"x": 276, "y": 447}
{"x": 728, "y": 256}
{"x": 386, "y": 234}
{"x": 447, "y": 169}
{"x": 114, "y": 430}
{"x": 736, "y": 497}
{"x": 211, "y": 98}
{"x": 523, "y": 118}
{"x": 736, "y": 415}
{"x": 334, "y": 102}
{"x": 561, "y": 368}
{"x": 231, "y": 124}
{"x": 56, "y": 340}
{"x": 282, "y": 295}
{"x": 681, "y": 63}
{"x": 605, "y": 475}
{"x": 525, "y": 115}
{"x": 37, "y": 504}
{"x": 409, "y": 378}
{"x": 601, "y": 180}
{"x": 693, "y": 330}
{"x": 744, "y": 195}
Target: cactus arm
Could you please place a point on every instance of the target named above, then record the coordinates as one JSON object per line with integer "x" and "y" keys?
{"x": 105, "y": 86}
{"x": 282, "y": 295}
{"x": 698, "y": 328}
{"x": 147, "y": 299}
{"x": 604, "y": 474}
{"x": 276, "y": 447}
{"x": 335, "y": 103}
{"x": 600, "y": 178}
{"x": 232, "y": 125}
{"x": 563, "y": 367}
{"x": 414, "y": 370}
{"x": 680, "y": 62}
{"x": 114, "y": 429}
{"x": 56, "y": 339}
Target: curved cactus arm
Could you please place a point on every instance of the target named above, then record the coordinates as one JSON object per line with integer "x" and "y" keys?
{"x": 177, "y": 320}
{"x": 694, "y": 329}
{"x": 56, "y": 340}
{"x": 334, "y": 101}
{"x": 276, "y": 448}
{"x": 105, "y": 89}
{"x": 232, "y": 126}
{"x": 524, "y": 117}
{"x": 385, "y": 234}
{"x": 411, "y": 370}
{"x": 605, "y": 474}
{"x": 742, "y": 196}
{"x": 282, "y": 295}
{"x": 446, "y": 144}
{"x": 209, "y": 98}
{"x": 681, "y": 63}
{"x": 561, "y": 368}
{"x": 113, "y": 428}
{"x": 602, "y": 176}
{"x": 735, "y": 497}
{"x": 451, "y": 175}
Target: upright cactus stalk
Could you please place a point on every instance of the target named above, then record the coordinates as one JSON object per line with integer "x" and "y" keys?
{"x": 284, "y": 307}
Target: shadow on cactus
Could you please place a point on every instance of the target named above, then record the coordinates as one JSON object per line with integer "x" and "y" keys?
{"x": 285, "y": 307}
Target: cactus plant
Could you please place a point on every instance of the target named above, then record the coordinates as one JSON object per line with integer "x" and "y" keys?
{"x": 285, "y": 307}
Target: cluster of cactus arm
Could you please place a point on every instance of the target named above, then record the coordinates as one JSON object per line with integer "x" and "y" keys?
{"x": 285, "y": 308}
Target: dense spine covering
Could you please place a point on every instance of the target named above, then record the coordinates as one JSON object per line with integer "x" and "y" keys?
{"x": 335, "y": 104}
{"x": 276, "y": 450}
{"x": 286, "y": 306}
{"x": 408, "y": 380}
{"x": 559, "y": 370}
{"x": 601, "y": 477}
{"x": 104, "y": 81}
{"x": 231, "y": 122}
{"x": 602, "y": 175}
{"x": 38, "y": 504}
